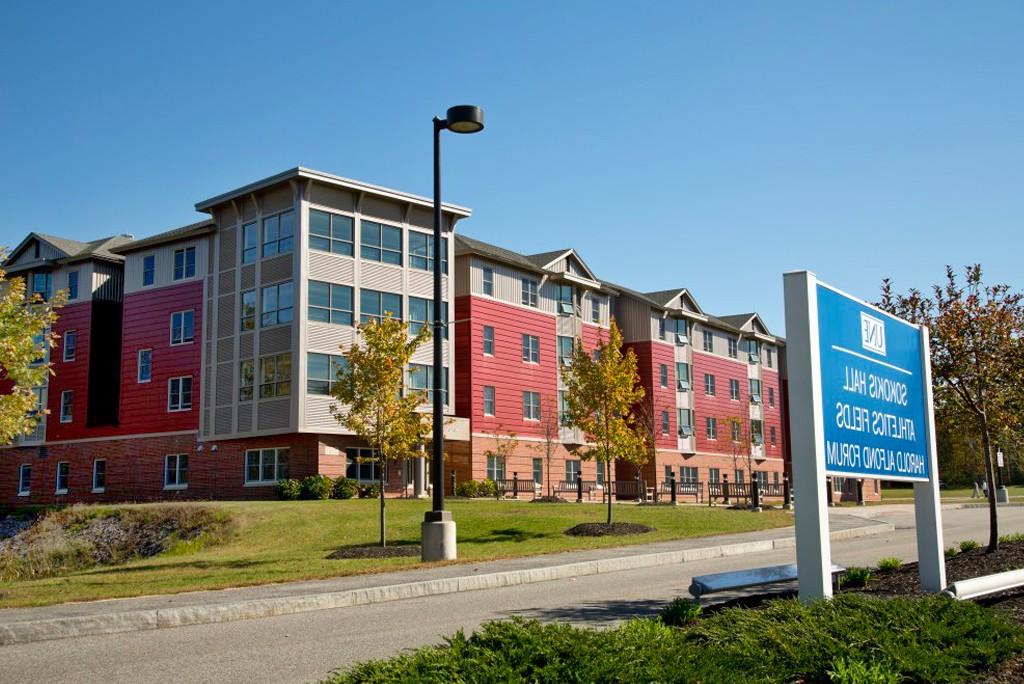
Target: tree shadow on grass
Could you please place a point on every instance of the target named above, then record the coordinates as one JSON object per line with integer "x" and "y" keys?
{"x": 182, "y": 565}
{"x": 505, "y": 534}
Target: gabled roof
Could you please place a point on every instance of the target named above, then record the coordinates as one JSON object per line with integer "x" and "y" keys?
{"x": 665, "y": 297}
{"x": 467, "y": 245}
{"x": 69, "y": 247}
{"x": 742, "y": 321}
{"x": 545, "y": 260}
{"x": 72, "y": 250}
{"x": 184, "y": 233}
{"x": 101, "y": 249}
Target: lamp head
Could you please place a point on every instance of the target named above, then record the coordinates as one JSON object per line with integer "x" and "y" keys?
{"x": 465, "y": 119}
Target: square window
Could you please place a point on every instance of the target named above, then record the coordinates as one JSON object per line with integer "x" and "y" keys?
{"x": 380, "y": 243}
{"x": 276, "y": 305}
{"x": 330, "y": 233}
{"x": 324, "y": 372}
{"x": 330, "y": 303}
{"x": 421, "y": 313}
{"x": 421, "y": 252}
{"x": 275, "y": 376}
{"x": 278, "y": 234}
{"x": 374, "y": 305}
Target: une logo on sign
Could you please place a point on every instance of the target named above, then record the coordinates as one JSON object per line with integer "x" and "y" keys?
{"x": 872, "y": 333}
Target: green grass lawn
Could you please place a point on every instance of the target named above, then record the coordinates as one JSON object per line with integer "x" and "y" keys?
{"x": 277, "y": 541}
{"x": 960, "y": 495}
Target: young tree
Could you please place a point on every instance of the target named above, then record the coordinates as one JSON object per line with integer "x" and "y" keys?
{"x": 977, "y": 353}
{"x": 550, "y": 429}
{"x": 601, "y": 391}
{"x": 505, "y": 445}
{"x": 24, "y": 339}
{"x": 374, "y": 404}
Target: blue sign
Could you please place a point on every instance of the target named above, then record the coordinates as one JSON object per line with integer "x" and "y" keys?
{"x": 872, "y": 391}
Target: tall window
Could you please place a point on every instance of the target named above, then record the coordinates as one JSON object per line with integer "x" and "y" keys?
{"x": 421, "y": 378}
{"x": 714, "y": 475}
{"x": 421, "y": 312}
{"x": 682, "y": 376}
{"x": 733, "y": 348}
{"x": 179, "y": 393}
{"x": 563, "y": 408}
{"x": 330, "y": 232}
{"x": 737, "y": 431}
{"x": 63, "y": 477}
{"x": 663, "y": 375}
{"x": 67, "y": 398}
{"x": 664, "y": 423}
{"x": 488, "y": 340}
{"x": 278, "y": 233}
{"x": 322, "y": 372}
{"x": 495, "y": 467}
{"x": 595, "y": 309}
{"x": 566, "y": 305}
{"x": 739, "y": 476}
{"x": 99, "y": 476}
{"x": 757, "y": 432}
{"x": 247, "y": 319}
{"x": 250, "y": 243}
{"x": 70, "y": 345}
{"x": 771, "y": 435}
{"x": 753, "y": 351}
{"x": 769, "y": 354}
{"x": 531, "y": 405}
{"x": 771, "y": 397}
{"x": 266, "y": 466}
{"x": 42, "y": 284}
{"x": 711, "y": 428}
{"x": 183, "y": 327}
{"x": 73, "y": 285}
{"x": 362, "y": 464}
{"x": 276, "y": 304}
{"x": 144, "y": 373}
{"x": 734, "y": 389}
{"x": 380, "y": 243}
{"x": 246, "y": 379}
{"x": 148, "y": 269}
{"x": 572, "y": 470}
{"x": 678, "y": 328}
{"x": 421, "y": 252}
{"x": 685, "y": 417}
{"x": 565, "y": 350}
{"x": 176, "y": 471}
{"x": 661, "y": 328}
{"x": 755, "y": 390}
{"x": 330, "y": 303}
{"x": 709, "y": 341}
{"x": 488, "y": 280}
{"x": 529, "y": 292}
{"x": 374, "y": 305}
{"x": 24, "y": 479}
{"x": 275, "y": 376}
{"x": 184, "y": 263}
{"x": 488, "y": 400}
{"x": 709, "y": 384}
{"x": 531, "y": 348}
{"x": 538, "y": 471}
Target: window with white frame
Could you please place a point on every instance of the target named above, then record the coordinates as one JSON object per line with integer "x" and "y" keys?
{"x": 769, "y": 355}
{"x": 63, "y": 477}
{"x": 709, "y": 341}
{"x": 665, "y": 428}
{"x": 176, "y": 471}
{"x": 687, "y": 474}
{"x": 663, "y": 375}
{"x": 737, "y": 430}
{"x": 144, "y": 365}
{"x": 24, "y": 479}
{"x": 322, "y": 372}
{"x": 247, "y": 318}
{"x": 566, "y": 299}
{"x": 73, "y": 285}
{"x": 266, "y": 466}
{"x": 374, "y": 305}
{"x": 330, "y": 303}
{"x": 276, "y": 304}
{"x": 421, "y": 313}
{"x": 99, "y": 476}
{"x": 538, "y": 471}
{"x": 489, "y": 400}
{"x": 565, "y": 347}
{"x": 738, "y": 474}
{"x": 771, "y": 397}
{"x": 183, "y": 329}
{"x": 711, "y": 427}
{"x": 529, "y": 292}
{"x": 379, "y": 242}
{"x": 755, "y": 390}
{"x": 679, "y": 331}
{"x": 184, "y": 263}
{"x": 734, "y": 389}
{"x": 67, "y": 398}
{"x": 488, "y": 335}
{"x": 421, "y": 252}
{"x": 682, "y": 376}
{"x": 495, "y": 467}
{"x": 148, "y": 270}
{"x": 246, "y": 379}
{"x": 709, "y": 384}
{"x": 250, "y": 243}
{"x": 179, "y": 393}
{"x": 330, "y": 233}
{"x": 595, "y": 308}
{"x": 488, "y": 281}
{"x": 714, "y": 475}
{"x": 275, "y": 376}
{"x": 70, "y": 345}
{"x": 363, "y": 464}
{"x": 421, "y": 378}
{"x": 572, "y": 470}
{"x": 733, "y": 348}
{"x": 756, "y": 431}
{"x": 771, "y": 435}
{"x": 278, "y": 233}
{"x": 531, "y": 405}
{"x": 685, "y": 418}
{"x": 531, "y": 348}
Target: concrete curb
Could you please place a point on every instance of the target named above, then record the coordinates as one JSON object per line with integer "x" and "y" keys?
{"x": 132, "y": 621}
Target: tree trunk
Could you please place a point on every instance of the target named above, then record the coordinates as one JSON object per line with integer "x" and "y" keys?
{"x": 608, "y": 486}
{"x": 383, "y": 470}
{"x": 990, "y": 477}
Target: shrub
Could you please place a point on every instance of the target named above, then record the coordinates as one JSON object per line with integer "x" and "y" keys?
{"x": 370, "y": 491}
{"x": 289, "y": 490}
{"x": 477, "y": 489}
{"x": 856, "y": 576}
{"x": 487, "y": 488}
{"x": 680, "y": 612}
{"x": 345, "y": 488}
{"x": 853, "y": 670}
{"x": 316, "y": 487}
{"x": 1014, "y": 538}
{"x": 969, "y": 545}
{"x": 466, "y": 488}
{"x": 889, "y": 564}
{"x": 952, "y": 551}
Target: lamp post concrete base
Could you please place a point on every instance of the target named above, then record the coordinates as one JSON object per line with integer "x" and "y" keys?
{"x": 419, "y": 489}
{"x": 438, "y": 537}
{"x": 1002, "y": 495}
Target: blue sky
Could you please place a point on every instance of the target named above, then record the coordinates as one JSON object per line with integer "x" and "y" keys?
{"x": 703, "y": 145}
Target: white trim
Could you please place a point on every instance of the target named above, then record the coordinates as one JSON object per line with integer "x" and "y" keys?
{"x": 170, "y": 339}
{"x": 138, "y": 366}
{"x": 69, "y": 417}
{"x": 111, "y": 438}
{"x": 64, "y": 351}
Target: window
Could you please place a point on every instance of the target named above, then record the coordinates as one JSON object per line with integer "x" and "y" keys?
{"x": 564, "y": 350}
{"x": 330, "y": 303}
{"x": 733, "y": 348}
{"x": 179, "y": 393}
{"x": 837, "y": 484}
{"x": 99, "y": 476}
{"x": 572, "y": 469}
{"x": 381, "y": 243}
{"x": 176, "y": 471}
{"x": 275, "y": 376}
{"x": 679, "y": 330}
{"x": 661, "y": 328}
{"x": 737, "y": 431}
{"x": 685, "y": 418}
{"x": 714, "y": 475}
{"x": 538, "y": 471}
{"x": 70, "y": 345}
{"x": 488, "y": 400}
{"x": 374, "y": 305}
{"x": 183, "y": 327}
{"x": 600, "y": 474}
{"x": 663, "y": 375}
{"x": 145, "y": 365}
{"x": 664, "y": 423}
{"x": 687, "y": 474}
{"x": 529, "y": 297}
{"x": 322, "y": 371}
{"x": 250, "y": 243}
{"x": 531, "y": 405}
{"x": 495, "y": 467}
{"x": 668, "y": 473}
{"x": 148, "y": 269}
{"x": 266, "y": 466}
{"x": 488, "y": 340}
{"x": 775, "y": 477}
{"x": 566, "y": 301}
{"x": 756, "y": 432}
{"x": 421, "y": 252}
{"x": 738, "y": 474}
{"x": 709, "y": 341}
{"x": 734, "y": 389}
{"x": 682, "y": 376}
{"x": 771, "y": 435}
{"x": 277, "y": 304}
{"x": 330, "y": 233}
{"x": 63, "y": 476}
{"x": 41, "y": 284}
{"x": 769, "y": 354}
{"x": 24, "y": 479}
{"x": 184, "y": 263}
{"x": 73, "y": 285}
{"x": 753, "y": 351}
{"x": 755, "y": 390}
{"x": 595, "y": 309}
{"x": 488, "y": 280}
{"x": 531, "y": 348}
{"x": 711, "y": 427}
{"x": 771, "y": 397}
{"x": 362, "y": 464}
{"x": 709, "y": 384}
{"x": 421, "y": 378}
{"x": 421, "y": 312}
{"x": 247, "y": 321}
{"x": 762, "y": 478}
{"x": 246, "y": 379}
{"x": 278, "y": 233}
{"x": 67, "y": 398}
{"x": 563, "y": 408}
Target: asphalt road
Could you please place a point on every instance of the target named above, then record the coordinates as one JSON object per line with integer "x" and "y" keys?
{"x": 304, "y": 647}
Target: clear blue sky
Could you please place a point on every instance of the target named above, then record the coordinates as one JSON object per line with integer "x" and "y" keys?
{"x": 704, "y": 145}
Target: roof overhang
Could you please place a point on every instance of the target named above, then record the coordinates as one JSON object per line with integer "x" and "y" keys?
{"x": 196, "y": 230}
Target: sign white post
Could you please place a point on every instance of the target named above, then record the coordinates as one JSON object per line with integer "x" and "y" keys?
{"x": 931, "y": 560}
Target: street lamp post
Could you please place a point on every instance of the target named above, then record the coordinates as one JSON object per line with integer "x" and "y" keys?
{"x": 438, "y": 528}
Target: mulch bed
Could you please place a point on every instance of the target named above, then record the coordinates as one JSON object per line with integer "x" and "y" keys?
{"x": 374, "y": 552}
{"x": 550, "y": 499}
{"x": 603, "y": 529}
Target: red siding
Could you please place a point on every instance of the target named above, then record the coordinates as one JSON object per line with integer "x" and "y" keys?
{"x": 70, "y": 375}
{"x": 650, "y": 357}
{"x": 719, "y": 406}
{"x": 148, "y": 326}
{"x": 772, "y": 415}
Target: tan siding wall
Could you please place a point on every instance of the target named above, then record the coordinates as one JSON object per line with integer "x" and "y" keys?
{"x": 164, "y": 264}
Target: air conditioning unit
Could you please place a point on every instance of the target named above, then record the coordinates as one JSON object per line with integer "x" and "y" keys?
{"x": 683, "y": 385}
{"x": 686, "y": 431}
{"x": 681, "y": 338}
{"x": 755, "y": 398}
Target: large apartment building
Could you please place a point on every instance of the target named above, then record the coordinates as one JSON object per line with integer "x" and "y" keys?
{"x": 198, "y": 363}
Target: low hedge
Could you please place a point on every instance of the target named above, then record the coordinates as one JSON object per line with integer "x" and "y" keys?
{"x": 852, "y": 638}
{"x": 477, "y": 489}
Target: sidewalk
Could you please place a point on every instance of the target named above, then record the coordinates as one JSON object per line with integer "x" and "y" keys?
{"x": 22, "y": 625}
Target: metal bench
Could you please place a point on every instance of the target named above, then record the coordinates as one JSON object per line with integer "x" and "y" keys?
{"x": 515, "y": 487}
{"x": 744, "y": 579}
{"x": 630, "y": 489}
{"x": 684, "y": 488}
{"x": 570, "y": 487}
{"x": 728, "y": 492}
